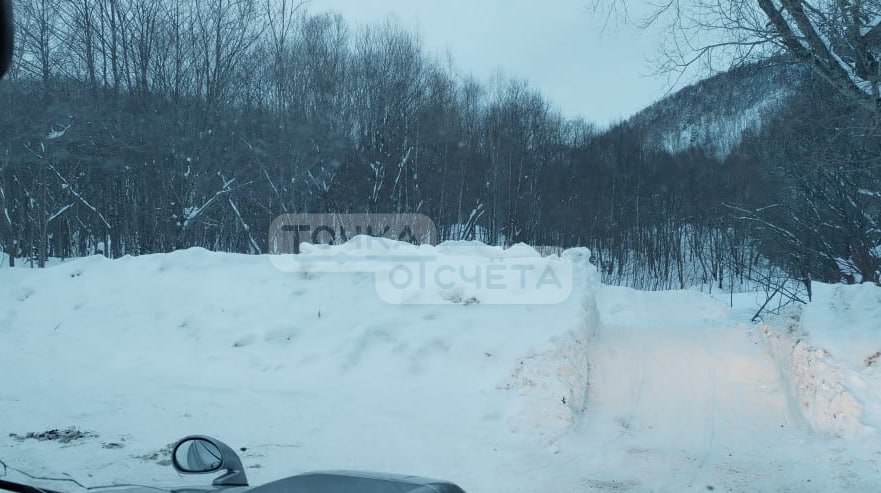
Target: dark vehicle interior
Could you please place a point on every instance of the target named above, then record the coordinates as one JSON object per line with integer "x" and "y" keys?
{"x": 5, "y": 35}
{"x": 21, "y": 488}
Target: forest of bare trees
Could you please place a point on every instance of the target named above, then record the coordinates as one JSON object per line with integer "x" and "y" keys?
{"x": 133, "y": 127}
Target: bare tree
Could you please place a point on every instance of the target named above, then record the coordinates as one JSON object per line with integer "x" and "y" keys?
{"x": 225, "y": 30}
{"x": 6, "y": 228}
{"x": 80, "y": 26}
{"x": 37, "y": 23}
{"x": 282, "y": 19}
{"x": 839, "y": 39}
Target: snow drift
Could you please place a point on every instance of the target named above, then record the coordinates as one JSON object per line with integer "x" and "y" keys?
{"x": 610, "y": 389}
{"x": 304, "y": 370}
{"x": 828, "y": 350}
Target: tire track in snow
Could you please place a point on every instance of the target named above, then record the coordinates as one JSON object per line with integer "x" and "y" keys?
{"x": 687, "y": 399}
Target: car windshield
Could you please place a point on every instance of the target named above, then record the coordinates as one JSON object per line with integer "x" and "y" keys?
{"x": 580, "y": 245}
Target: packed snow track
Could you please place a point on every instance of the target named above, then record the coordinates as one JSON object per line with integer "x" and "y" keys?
{"x": 682, "y": 398}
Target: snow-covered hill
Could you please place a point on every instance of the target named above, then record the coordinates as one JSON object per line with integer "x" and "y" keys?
{"x": 715, "y": 113}
{"x": 611, "y": 390}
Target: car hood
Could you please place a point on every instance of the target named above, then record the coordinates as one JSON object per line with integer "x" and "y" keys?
{"x": 185, "y": 489}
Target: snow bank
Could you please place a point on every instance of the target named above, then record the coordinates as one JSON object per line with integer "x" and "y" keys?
{"x": 817, "y": 386}
{"x": 304, "y": 369}
{"x": 552, "y": 382}
{"x": 827, "y": 350}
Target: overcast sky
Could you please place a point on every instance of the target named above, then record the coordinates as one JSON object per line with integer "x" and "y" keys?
{"x": 559, "y": 46}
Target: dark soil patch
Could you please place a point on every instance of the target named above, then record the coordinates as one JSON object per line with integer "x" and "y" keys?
{"x": 67, "y": 435}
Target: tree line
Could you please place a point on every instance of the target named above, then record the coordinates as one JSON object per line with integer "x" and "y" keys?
{"x": 135, "y": 127}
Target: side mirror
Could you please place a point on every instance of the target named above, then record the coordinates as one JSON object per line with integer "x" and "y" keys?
{"x": 201, "y": 455}
{"x": 6, "y": 37}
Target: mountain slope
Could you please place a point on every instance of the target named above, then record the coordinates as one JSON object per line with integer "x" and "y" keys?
{"x": 715, "y": 113}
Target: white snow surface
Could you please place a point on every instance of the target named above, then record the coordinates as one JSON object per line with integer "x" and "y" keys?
{"x": 836, "y": 359}
{"x": 612, "y": 390}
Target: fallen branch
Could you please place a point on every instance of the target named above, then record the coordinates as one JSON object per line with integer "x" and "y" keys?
{"x": 254, "y": 247}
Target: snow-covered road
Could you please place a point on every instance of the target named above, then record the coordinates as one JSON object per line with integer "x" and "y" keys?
{"x": 614, "y": 390}
{"x": 684, "y": 399}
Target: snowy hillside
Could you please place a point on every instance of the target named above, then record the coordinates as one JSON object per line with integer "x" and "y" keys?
{"x": 714, "y": 114}
{"x": 610, "y": 390}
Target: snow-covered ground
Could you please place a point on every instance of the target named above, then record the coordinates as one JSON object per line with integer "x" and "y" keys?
{"x": 611, "y": 390}
{"x": 687, "y": 396}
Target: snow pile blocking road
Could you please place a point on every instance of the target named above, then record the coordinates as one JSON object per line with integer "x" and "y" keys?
{"x": 304, "y": 370}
